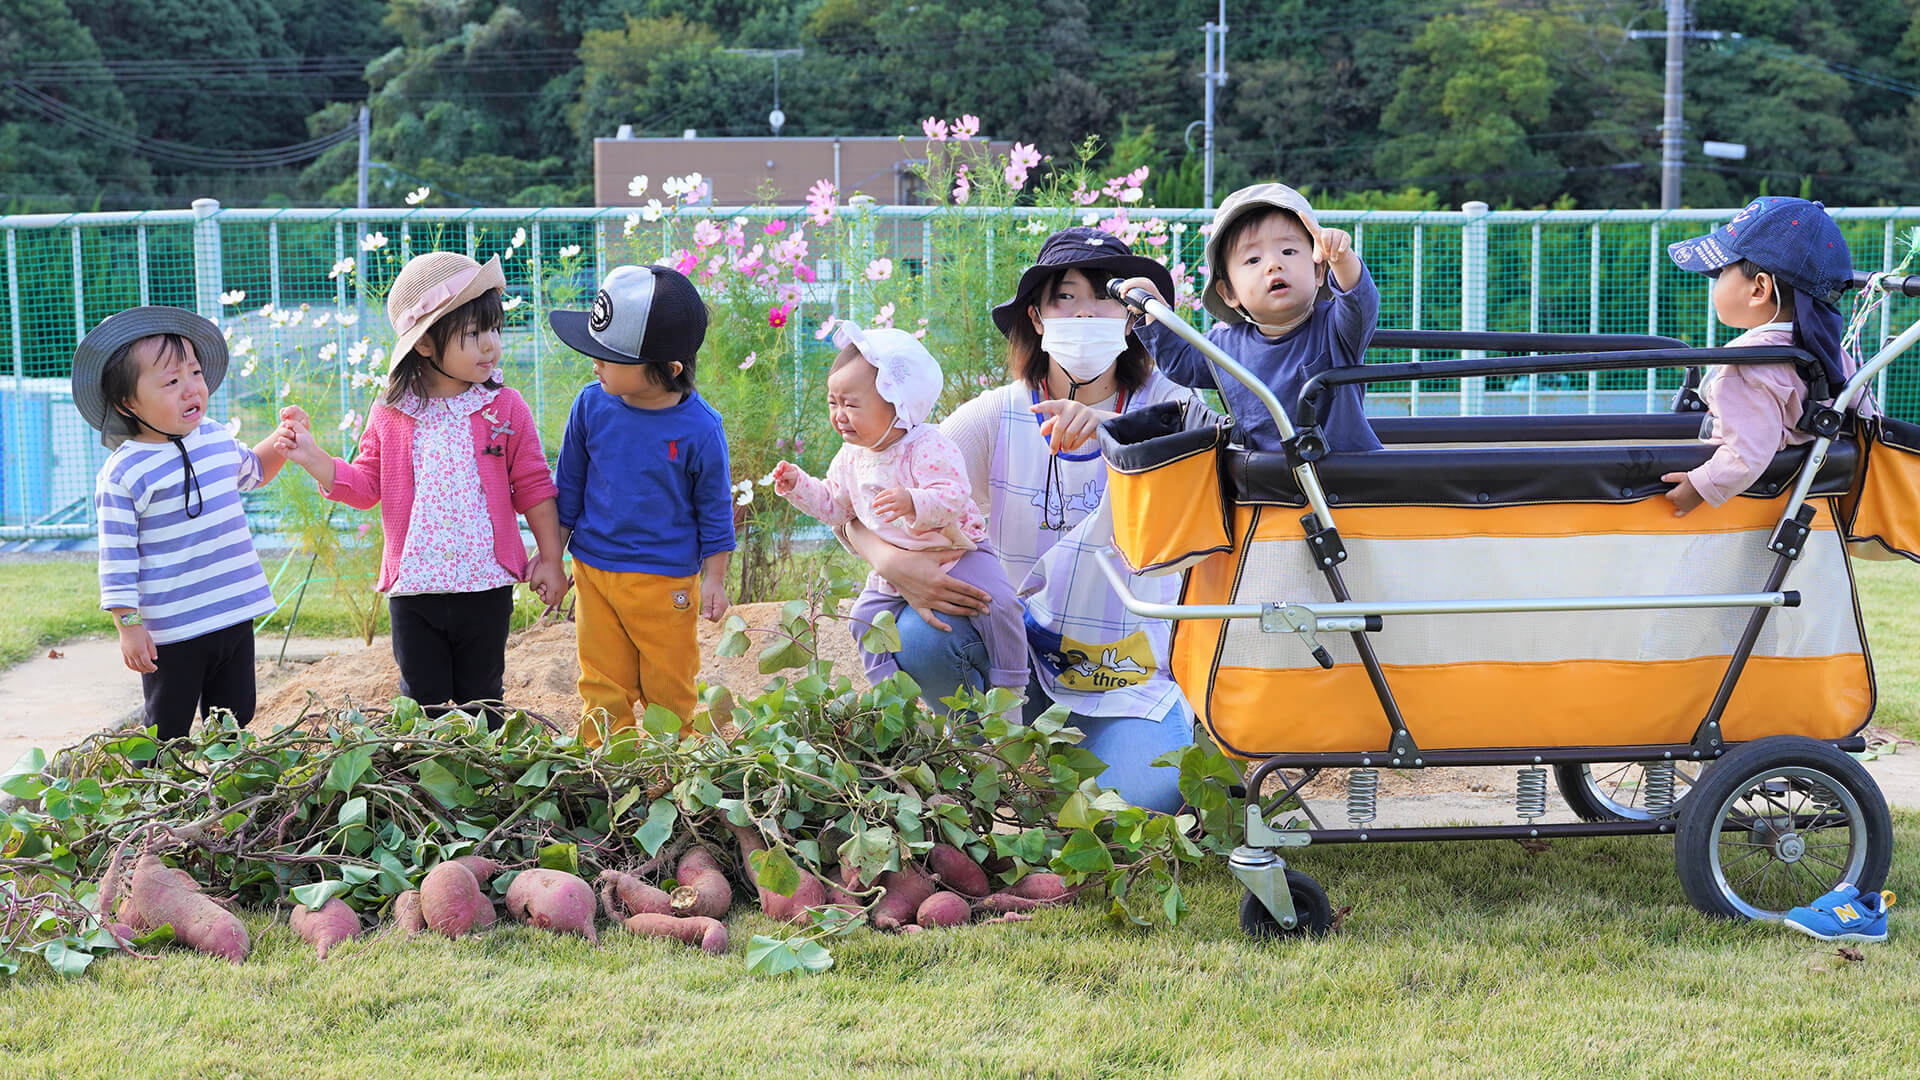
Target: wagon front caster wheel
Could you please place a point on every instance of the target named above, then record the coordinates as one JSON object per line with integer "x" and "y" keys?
{"x": 1778, "y": 823}
{"x": 1310, "y": 906}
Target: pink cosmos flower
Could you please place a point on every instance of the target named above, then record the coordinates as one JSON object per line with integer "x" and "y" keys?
{"x": 820, "y": 202}
{"x": 883, "y": 317}
{"x": 935, "y": 128}
{"x": 803, "y": 272}
{"x": 1137, "y": 177}
{"x": 777, "y": 315}
{"x": 826, "y": 329}
{"x": 776, "y": 227}
{"x": 1084, "y": 197}
{"x": 879, "y": 269}
{"x": 736, "y": 237}
{"x": 684, "y": 261}
{"x": 962, "y": 187}
{"x": 966, "y": 127}
{"x": 706, "y": 234}
{"x": 752, "y": 357}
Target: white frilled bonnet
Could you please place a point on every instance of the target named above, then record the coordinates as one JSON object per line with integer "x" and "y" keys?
{"x": 908, "y": 377}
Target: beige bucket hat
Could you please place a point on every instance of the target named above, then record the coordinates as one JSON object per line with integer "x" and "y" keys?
{"x": 1238, "y": 205}
{"x": 429, "y": 286}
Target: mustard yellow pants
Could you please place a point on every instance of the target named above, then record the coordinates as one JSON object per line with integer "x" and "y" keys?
{"x": 639, "y": 643}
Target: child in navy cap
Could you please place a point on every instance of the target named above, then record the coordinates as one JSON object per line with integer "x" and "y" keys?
{"x": 1778, "y": 269}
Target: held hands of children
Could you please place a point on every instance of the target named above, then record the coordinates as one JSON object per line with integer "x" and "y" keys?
{"x": 1685, "y": 497}
{"x": 548, "y": 579}
{"x": 1069, "y": 425}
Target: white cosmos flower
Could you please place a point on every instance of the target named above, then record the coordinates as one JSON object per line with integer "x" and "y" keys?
{"x": 233, "y": 297}
{"x": 349, "y": 420}
{"x": 418, "y": 196}
{"x": 637, "y": 186}
{"x": 633, "y": 222}
{"x": 511, "y": 302}
{"x": 570, "y": 251}
{"x": 329, "y": 351}
{"x": 344, "y": 266}
{"x": 373, "y": 241}
{"x": 653, "y": 211}
{"x": 520, "y": 237}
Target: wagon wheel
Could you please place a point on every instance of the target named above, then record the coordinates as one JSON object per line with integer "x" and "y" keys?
{"x": 1310, "y": 906}
{"x": 1616, "y": 790}
{"x": 1778, "y": 823}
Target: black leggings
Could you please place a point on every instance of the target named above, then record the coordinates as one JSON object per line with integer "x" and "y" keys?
{"x": 452, "y": 647}
{"x": 199, "y": 675}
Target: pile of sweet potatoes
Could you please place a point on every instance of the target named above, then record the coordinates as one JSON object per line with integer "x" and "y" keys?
{"x": 947, "y": 888}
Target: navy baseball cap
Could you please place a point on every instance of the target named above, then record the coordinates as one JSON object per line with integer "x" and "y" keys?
{"x": 1792, "y": 239}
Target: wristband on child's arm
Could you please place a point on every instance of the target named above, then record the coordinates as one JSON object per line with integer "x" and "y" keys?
{"x": 128, "y": 618}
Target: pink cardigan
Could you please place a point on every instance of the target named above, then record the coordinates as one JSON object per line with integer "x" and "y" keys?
{"x": 515, "y": 478}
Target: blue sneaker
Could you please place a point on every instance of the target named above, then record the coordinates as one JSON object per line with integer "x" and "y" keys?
{"x": 1845, "y": 914}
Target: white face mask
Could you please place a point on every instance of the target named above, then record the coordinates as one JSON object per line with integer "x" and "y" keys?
{"x": 1084, "y": 347}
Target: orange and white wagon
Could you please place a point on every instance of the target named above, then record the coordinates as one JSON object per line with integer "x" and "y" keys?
{"x": 1515, "y": 590}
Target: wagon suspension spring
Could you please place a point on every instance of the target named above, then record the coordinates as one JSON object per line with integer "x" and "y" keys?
{"x": 1363, "y": 796}
{"x": 1530, "y": 793}
{"x": 1657, "y": 797}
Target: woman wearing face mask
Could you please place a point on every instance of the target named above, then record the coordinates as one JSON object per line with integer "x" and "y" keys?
{"x": 1029, "y": 455}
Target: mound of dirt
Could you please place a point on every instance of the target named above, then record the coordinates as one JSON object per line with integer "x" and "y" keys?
{"x": 542, "y": 671}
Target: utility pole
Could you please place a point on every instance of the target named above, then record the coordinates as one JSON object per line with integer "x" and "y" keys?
{"x": 775, "y": 119}
{"x": 365, "y": 160}
{"x": 1672, "y": 126}
{"x": 1216, "y": 36}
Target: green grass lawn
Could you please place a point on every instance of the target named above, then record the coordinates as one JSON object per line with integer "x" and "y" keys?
{"x": 1460, "y": 960}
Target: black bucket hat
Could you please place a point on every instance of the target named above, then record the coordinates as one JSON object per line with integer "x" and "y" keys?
{"x": 1084, "y": 248}
{"x": 641, "y": 315}
{"x": 122, "y": 329}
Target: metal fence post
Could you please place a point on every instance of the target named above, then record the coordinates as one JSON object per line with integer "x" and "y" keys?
{"x": 207, "y": 281}
{"x": 1473, "y": 299}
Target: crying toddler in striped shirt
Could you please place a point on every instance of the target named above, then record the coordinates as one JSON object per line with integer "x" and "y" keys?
{"x": 177, "y": 566}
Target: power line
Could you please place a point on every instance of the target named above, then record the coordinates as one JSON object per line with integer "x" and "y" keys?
{"x": 167, "y": 150}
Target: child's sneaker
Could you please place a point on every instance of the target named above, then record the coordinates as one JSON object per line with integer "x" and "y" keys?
{"x": 1845, "y": 914}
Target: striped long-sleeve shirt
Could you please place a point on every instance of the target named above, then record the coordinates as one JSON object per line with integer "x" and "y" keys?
{"x": 187, "y": 576}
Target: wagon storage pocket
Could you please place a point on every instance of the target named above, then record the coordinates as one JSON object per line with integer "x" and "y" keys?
{"x": 1164, "y": 486}
{"x": 1885, "y": 508}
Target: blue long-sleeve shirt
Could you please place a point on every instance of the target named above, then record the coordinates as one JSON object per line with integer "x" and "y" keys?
{"x": 644, "y": 490}
{"x": 1335, "y": 335}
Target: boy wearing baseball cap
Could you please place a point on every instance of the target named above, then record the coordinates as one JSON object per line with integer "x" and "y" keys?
{"x": 646, "y": 501}
{"x": 1292, "y": 299}
{"x": 1778, "y": 270}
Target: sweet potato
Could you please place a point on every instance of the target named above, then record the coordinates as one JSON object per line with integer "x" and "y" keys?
{"x": 334, "y": 923}
{"x": 955, "y": 870}
{"x": 451, "y": 901}
{"x": 553, "y": 900}
{"x": 944, "y": 909}
{"x": 623, "y": 894}
{"x": 1042, "y": 886}
{"x": 159, "y": 897}
{"x": 482, "y": 868}
{"x": 709, "y": 893}
{"x": 709, "y": 934}
{"x": 809, "y": 894}
{"x": 907, "y": 888}
{"x": 407, "y": 919}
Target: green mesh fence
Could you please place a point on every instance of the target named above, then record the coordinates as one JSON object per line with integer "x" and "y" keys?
{"x": 305, "y": 329}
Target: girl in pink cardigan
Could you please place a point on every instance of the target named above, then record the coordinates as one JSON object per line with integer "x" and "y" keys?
{"x": 451, "y": 456}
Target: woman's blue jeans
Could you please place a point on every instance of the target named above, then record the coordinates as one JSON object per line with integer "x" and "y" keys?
{"x": 941, "y": 662}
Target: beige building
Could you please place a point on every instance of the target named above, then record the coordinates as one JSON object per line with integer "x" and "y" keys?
{"x": 738, "y": 167}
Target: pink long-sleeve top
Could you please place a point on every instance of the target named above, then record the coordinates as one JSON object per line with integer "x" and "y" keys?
{"x": 506, "y": 451}
{"x": 1755, "y": 408}
{"x": 927, "y": 464}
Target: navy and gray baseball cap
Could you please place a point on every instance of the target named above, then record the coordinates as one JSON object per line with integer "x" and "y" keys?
{"x": 641, "y": 315}
{"x": 1792, "y": 239}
